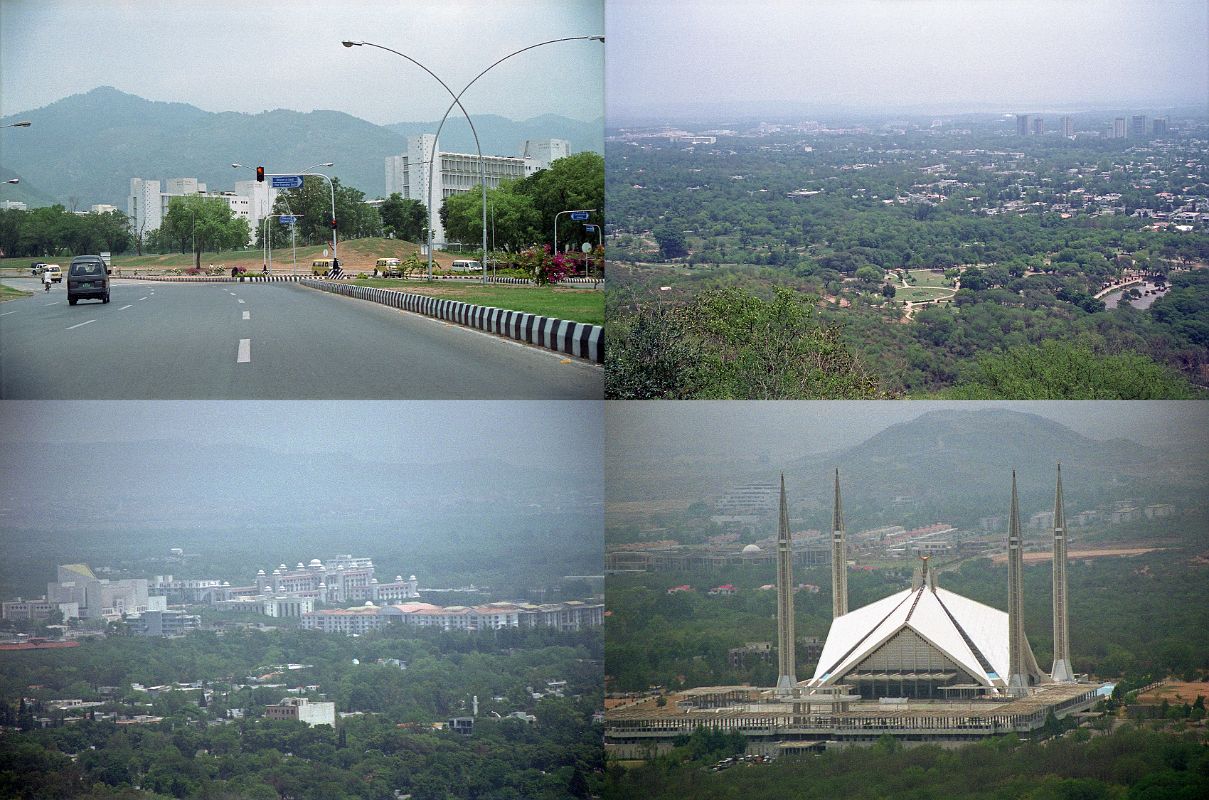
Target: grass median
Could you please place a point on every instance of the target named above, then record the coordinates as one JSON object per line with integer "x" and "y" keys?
{"x": 9, "y": 293}
{"x": 578, "y": 305}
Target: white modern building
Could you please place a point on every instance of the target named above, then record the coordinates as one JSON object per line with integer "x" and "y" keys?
{"x": 303, "y": 710}
{"x": 98, "y": 598}
{"x": 147, "y": 202}
{"x": 458, "y": 173}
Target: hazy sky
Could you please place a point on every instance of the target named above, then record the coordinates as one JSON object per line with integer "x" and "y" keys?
{"x": 515, "y": 432}
{"x": 233, "y": 55}
{"x": 789, "y": 430}
{"x": 1023, "y": 55}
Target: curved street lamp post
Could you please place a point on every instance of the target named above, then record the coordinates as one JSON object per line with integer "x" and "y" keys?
{"x": 457, "y": 101}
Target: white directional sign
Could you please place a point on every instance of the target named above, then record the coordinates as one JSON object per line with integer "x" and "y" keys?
{"x": 286, "y": 181}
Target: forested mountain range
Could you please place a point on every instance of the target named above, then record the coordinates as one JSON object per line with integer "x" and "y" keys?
{"x": 84, "y": 149}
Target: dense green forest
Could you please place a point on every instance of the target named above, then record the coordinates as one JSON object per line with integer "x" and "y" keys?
{"x": 1128, "y": 764}
{"x": 921, "y": 255}
{"x": 198, "y": 750}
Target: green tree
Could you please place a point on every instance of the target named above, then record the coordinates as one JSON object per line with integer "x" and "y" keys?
{"x": 199, "y": 224}
{"x": 671, "y": 241}
{"x": 1070, "y": 371}
{"x": 404, "y": 218}
{"x": 572, "y": 183}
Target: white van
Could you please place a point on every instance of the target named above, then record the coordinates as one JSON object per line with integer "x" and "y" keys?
{"x": 466, "y": 265}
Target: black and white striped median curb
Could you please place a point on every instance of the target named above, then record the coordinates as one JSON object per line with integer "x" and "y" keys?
{"x": 560, "y": 335}
{"x": 214, "y": 278}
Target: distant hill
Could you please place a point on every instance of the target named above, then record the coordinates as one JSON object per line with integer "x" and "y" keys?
{"x": 946, "y": 465}
{"x": 88, "y": 146}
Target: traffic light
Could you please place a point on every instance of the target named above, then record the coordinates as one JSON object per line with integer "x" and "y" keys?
{"x": 333, "y": 224}
{"x": 260, "y": 174}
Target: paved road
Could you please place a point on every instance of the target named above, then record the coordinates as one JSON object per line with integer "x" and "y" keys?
{"x": 273, "y": 341}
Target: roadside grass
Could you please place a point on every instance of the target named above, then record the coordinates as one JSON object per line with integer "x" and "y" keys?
{"x": 9, "y": 293}
{"x": 578, "y": 305}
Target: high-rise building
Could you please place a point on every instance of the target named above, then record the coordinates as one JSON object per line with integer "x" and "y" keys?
{"x": 1068, "y": 127}
{"x": 1159, "y": 126}
{"x": 1024, "y": 124}
{"x": 1137, "y": 126}
{"x": 1038, "y": 126}
{"x": 1118, "y": 128}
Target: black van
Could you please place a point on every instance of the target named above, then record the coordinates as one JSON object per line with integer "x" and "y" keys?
{"x": 87, "y": 277}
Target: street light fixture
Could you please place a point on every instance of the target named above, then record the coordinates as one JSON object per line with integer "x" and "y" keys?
{"x": 13, "y": 180}
{"x": 22, "y": 124}
{"x": 457, "y": 101}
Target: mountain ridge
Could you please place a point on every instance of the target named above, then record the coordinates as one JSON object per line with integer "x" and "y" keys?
{"x": 84, "y": 149}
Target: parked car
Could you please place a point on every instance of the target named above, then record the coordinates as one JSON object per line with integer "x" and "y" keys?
{"x": 87, "y": 277}
{"x": 36, "y": 267}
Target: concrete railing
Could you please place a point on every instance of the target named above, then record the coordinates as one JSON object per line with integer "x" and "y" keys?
{"x": 560, "y": 335}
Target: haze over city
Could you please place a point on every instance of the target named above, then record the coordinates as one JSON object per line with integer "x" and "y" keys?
{"x": 929, "y": 57}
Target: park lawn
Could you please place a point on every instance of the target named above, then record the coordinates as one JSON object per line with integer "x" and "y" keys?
{"x": 579, "y": 305}
{"x": 927, "y": 278}
{"x": 9, "y": 293}
{"x": 918, "y": 293}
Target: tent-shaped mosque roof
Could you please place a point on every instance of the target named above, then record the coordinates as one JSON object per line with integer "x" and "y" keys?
{"x": 972, "y": 635}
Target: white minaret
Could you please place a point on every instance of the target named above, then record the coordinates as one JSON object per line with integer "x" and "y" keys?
{"x": 839, "y": 556}
{"x": 786, "y": 658}
{"x": 1061, "y": 673}
{"x": 1017, "y": 644}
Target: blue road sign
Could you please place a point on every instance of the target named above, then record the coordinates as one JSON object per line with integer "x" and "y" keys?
{"x": 590, "y": 228}
{"x": 287, "y": 181}
{"x": 287, "y": 219}
{"x": 576, "y": 215}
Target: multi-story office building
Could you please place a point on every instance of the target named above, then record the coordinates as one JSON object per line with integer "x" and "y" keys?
{"x": 1118, "y": 128}
{"x": 1038, "y": 126}
{"x": 303, "y": 710}
{"x": 1024, "y": 124}
{"x": 1159, "y": 126}
{"x": 168, "y": 622}
{"x": 37, "y": 609}
{"x": 1068, "y": 127}
{"x": 1137, "y": 126}
{"x": 571, "y": 615}
{"x": 457, "y": 173}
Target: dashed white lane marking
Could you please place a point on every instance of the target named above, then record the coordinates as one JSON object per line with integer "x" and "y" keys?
{"x": 245, "y": 351}
{"x": 73, "y": 327}
{"x": 6, "y": 313}
{"x": 241, "y": 301}
{"x": 123, "y": 308}
{"x": 142, "y": 298}
{"x": 52, "y": 304}
{"x": 247, "y": 315}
